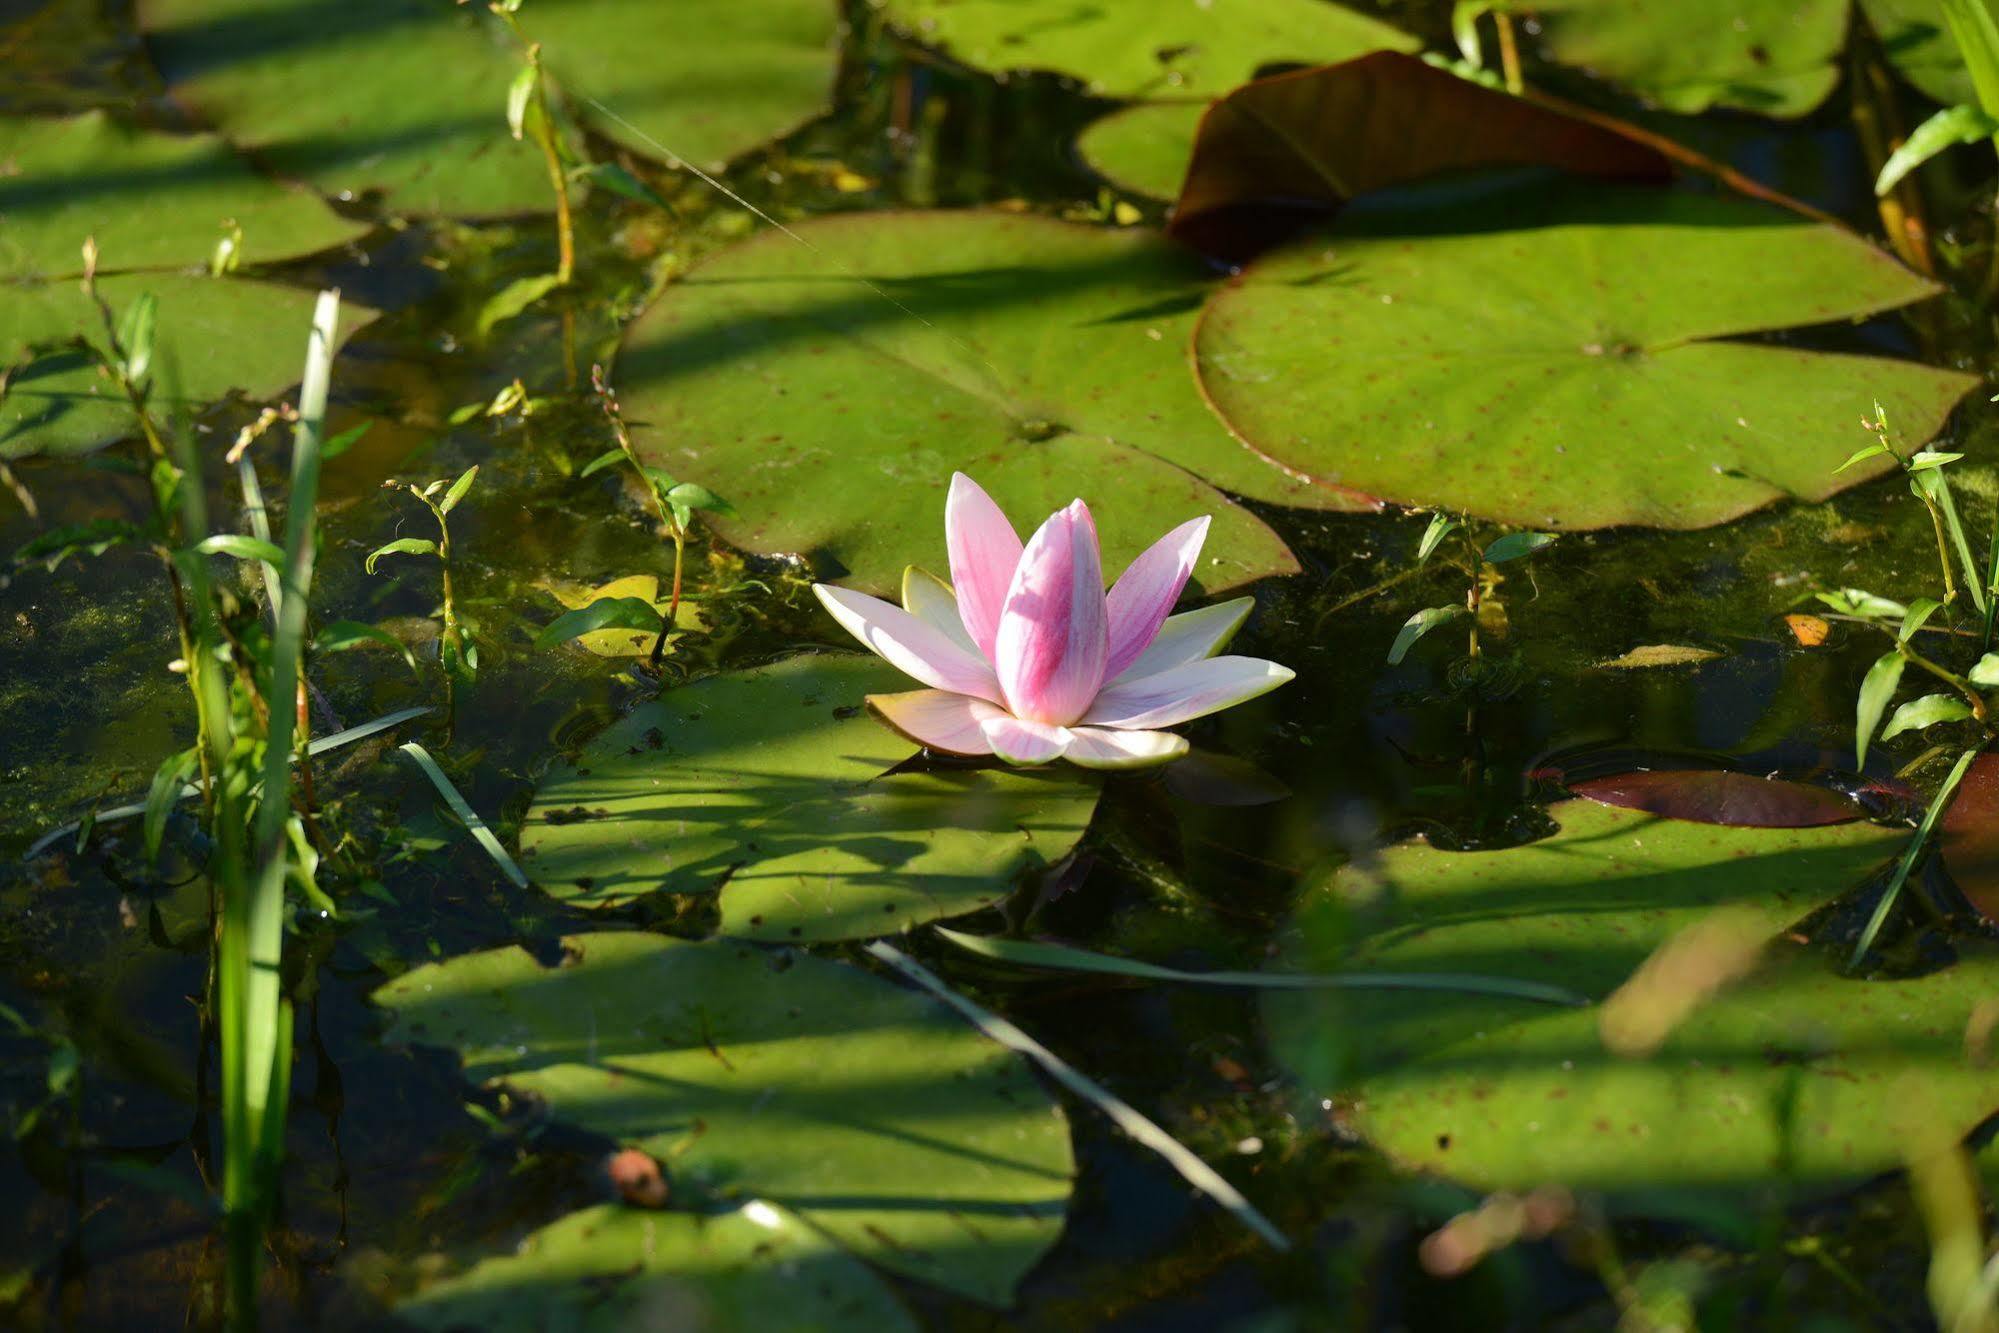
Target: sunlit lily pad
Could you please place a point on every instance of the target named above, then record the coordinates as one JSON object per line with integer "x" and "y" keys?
{"x": 772, "y": 786}
{"x": 214, "y": 335}
{"x": 1046, "y": 359}
{"x": 1918, "y": 44}
{"x": 1776, "y": 57}
{"x": 1144, "y": 148}
{"x": 609, "y": 1269}
{"x": 875, "y": 1114}
{"x": 427, "y": 123}
{"x": 153, "y": 202}
{"x": 1794, "y": 1075}
{"x": 1144, "y": 48}
{"x": 1566, "y": 356}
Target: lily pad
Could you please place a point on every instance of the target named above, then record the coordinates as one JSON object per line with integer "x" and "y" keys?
{"x": 1716, "y": 796}
{"x": 1970, "y": 835}
{"x": 773, "y": 786}
{"x": 428, "y": 126}
{"x": 1144, "y": 48}
{"x": 1144, "y": 148}
{"x": 1275, "y": 152}
{"x": 1776, "y": 57}
{"x": 1796, "y": 1075}
{"x": 608, "y": 1269}
{"x": 151, "y": 200}
{"x": 1566, "y": 356}
{"x": 214, "y": 335}
{"x": 873, "y": 1113}
{"x": 1918, "y": 44}
{"x": 1047, "y": 359}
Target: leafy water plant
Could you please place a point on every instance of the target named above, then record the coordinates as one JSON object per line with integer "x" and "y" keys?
{"x": 528, "y": 116}
{"x": 676, "y": 503}
{"x": 460, "y": 654}
{"x": 1479, "y": 563}
{"x": 1027, "y": 657}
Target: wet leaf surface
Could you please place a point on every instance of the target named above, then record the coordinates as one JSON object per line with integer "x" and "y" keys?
{"x": 772, "y": 786}
{"x": 1604, "y": 381}
{"x": 871, "y": 1112}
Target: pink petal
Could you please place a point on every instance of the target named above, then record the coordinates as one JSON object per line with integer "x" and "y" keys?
{"x": 1054, "y": 635}
{"x": 931, "y": 601}
{"x": 985, "y": 551}
{"x": 1147, "y": 589}
{"x": 1177, "y": 694}
{"x": 907, "y": 644}
{"x": 1102, "y": 747}
{"x": 1021, "y": 741}
{"x": 1189, "y": 637}
{"x": 936, "y": 718}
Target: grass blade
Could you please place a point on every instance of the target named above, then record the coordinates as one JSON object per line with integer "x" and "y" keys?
{"x": 1060, "y": 957}
{"x": 1938, "y": 803}
{"x": 1191, "y": 1168}
{"x": 473, "y": 824}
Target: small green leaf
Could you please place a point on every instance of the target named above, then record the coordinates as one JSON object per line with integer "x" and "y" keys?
{"x": 1858, "y": 602}
{"x": 1861, "y": 456}
{"x": 242, "y": 547}
{"x": 1875, "y": 692}
{"x": 1929, "y": 459}
{"x": 1420, "y": 624}
{"x": 135, "y": 335}
{"x": 512, "y": 299}
{"x": 690, "y": 495}
{"x": 344, "y": 441}
{"x": 612, "y": 177}
{"x": 1985, "y": 675}
{"x": 458, "y": 489}
{"x": 519, "y": 94}
{"x": 92, "y": 538}
{"x": 168, "y": 780}
{"x": 1516, "y": 544}
{"x": 343, "y": 635}
{"x": 1946, "y": 129}
{"x": 1441, "y": 526}
{"x": 661, "y": 482}
{"x": 1913, "y": 619}
{"x": 400, "y": 546}
{"x": 1926, "y": 712}
{"x": 1465, "y": 15}
{"x": 604, "y": 613}
{"x": 683, "y": 517}
{"x": 609, "y": 458}
{"x": 460, "y": 415}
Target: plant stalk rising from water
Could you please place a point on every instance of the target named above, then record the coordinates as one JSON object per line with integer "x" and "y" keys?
{"x": 1028, "y": 658}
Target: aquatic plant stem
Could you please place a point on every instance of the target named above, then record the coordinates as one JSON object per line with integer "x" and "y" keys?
{"x": 673, "y": 604}
{"x": 1509, "y": 52}
{"x": 1991, "y": 573}
{"x": 1938, "y": 804}
{"x": 1972, "y": 697}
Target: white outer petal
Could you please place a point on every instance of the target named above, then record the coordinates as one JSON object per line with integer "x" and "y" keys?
{"x": 908, "y": 644}
{"x": 1179, "y": 694}
{"x": 1108, "y": 747}
{"x": 1189, "y": 637}
{"x": 1019, "y": 741}
{"x": 936, "y": 718}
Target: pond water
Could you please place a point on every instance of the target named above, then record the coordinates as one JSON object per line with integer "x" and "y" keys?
{"x": 403, "y": 1166}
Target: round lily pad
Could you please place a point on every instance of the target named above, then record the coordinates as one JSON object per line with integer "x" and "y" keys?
{"x": 872, "y": 1112}
{"x": 214, "y": 335}
{"x": 1144, "y": 148}
{"x": 1047, "y": 359}
{"x": 1144, "y": 48}
{"x": 772, "y": 786}
{"x": 427, "y": 125}
{"x": 1794, "y": 1075}
{"x": 1567, "y": 356}
{"x": 1776, "y": 57}
{"x": 610, "y": 1269}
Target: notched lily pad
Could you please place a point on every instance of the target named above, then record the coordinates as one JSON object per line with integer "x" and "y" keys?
{"x": 1045, "y": 358}
{"x": 608, "y": 1269}
{"x": 772, "y": 786}
{"x": 870, "y": 1111}
{"x": 1795, "y": 1076}
{"x": 1566, "y": 356}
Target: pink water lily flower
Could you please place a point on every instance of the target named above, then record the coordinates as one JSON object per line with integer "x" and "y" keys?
{"x": 1027, "y": 657}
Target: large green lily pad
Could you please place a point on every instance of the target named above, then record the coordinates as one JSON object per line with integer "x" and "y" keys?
{"x": 870, "y": 1111}
{"x": 610, "y": 1269}
{"x": 1794, "y": 1075}
{"x": 772, "y": 786}
{"x": 1918, "y": 43}
{"x": 1776, "y": 57}
{"x": 152, "y": 202}
{"x": 1563, "y": 356}
{"x": 708, "y": 79}
{"x": 1144, "y": 48}
{"x": 1144, "y": 148}
{"x": 1047, "y": 359}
